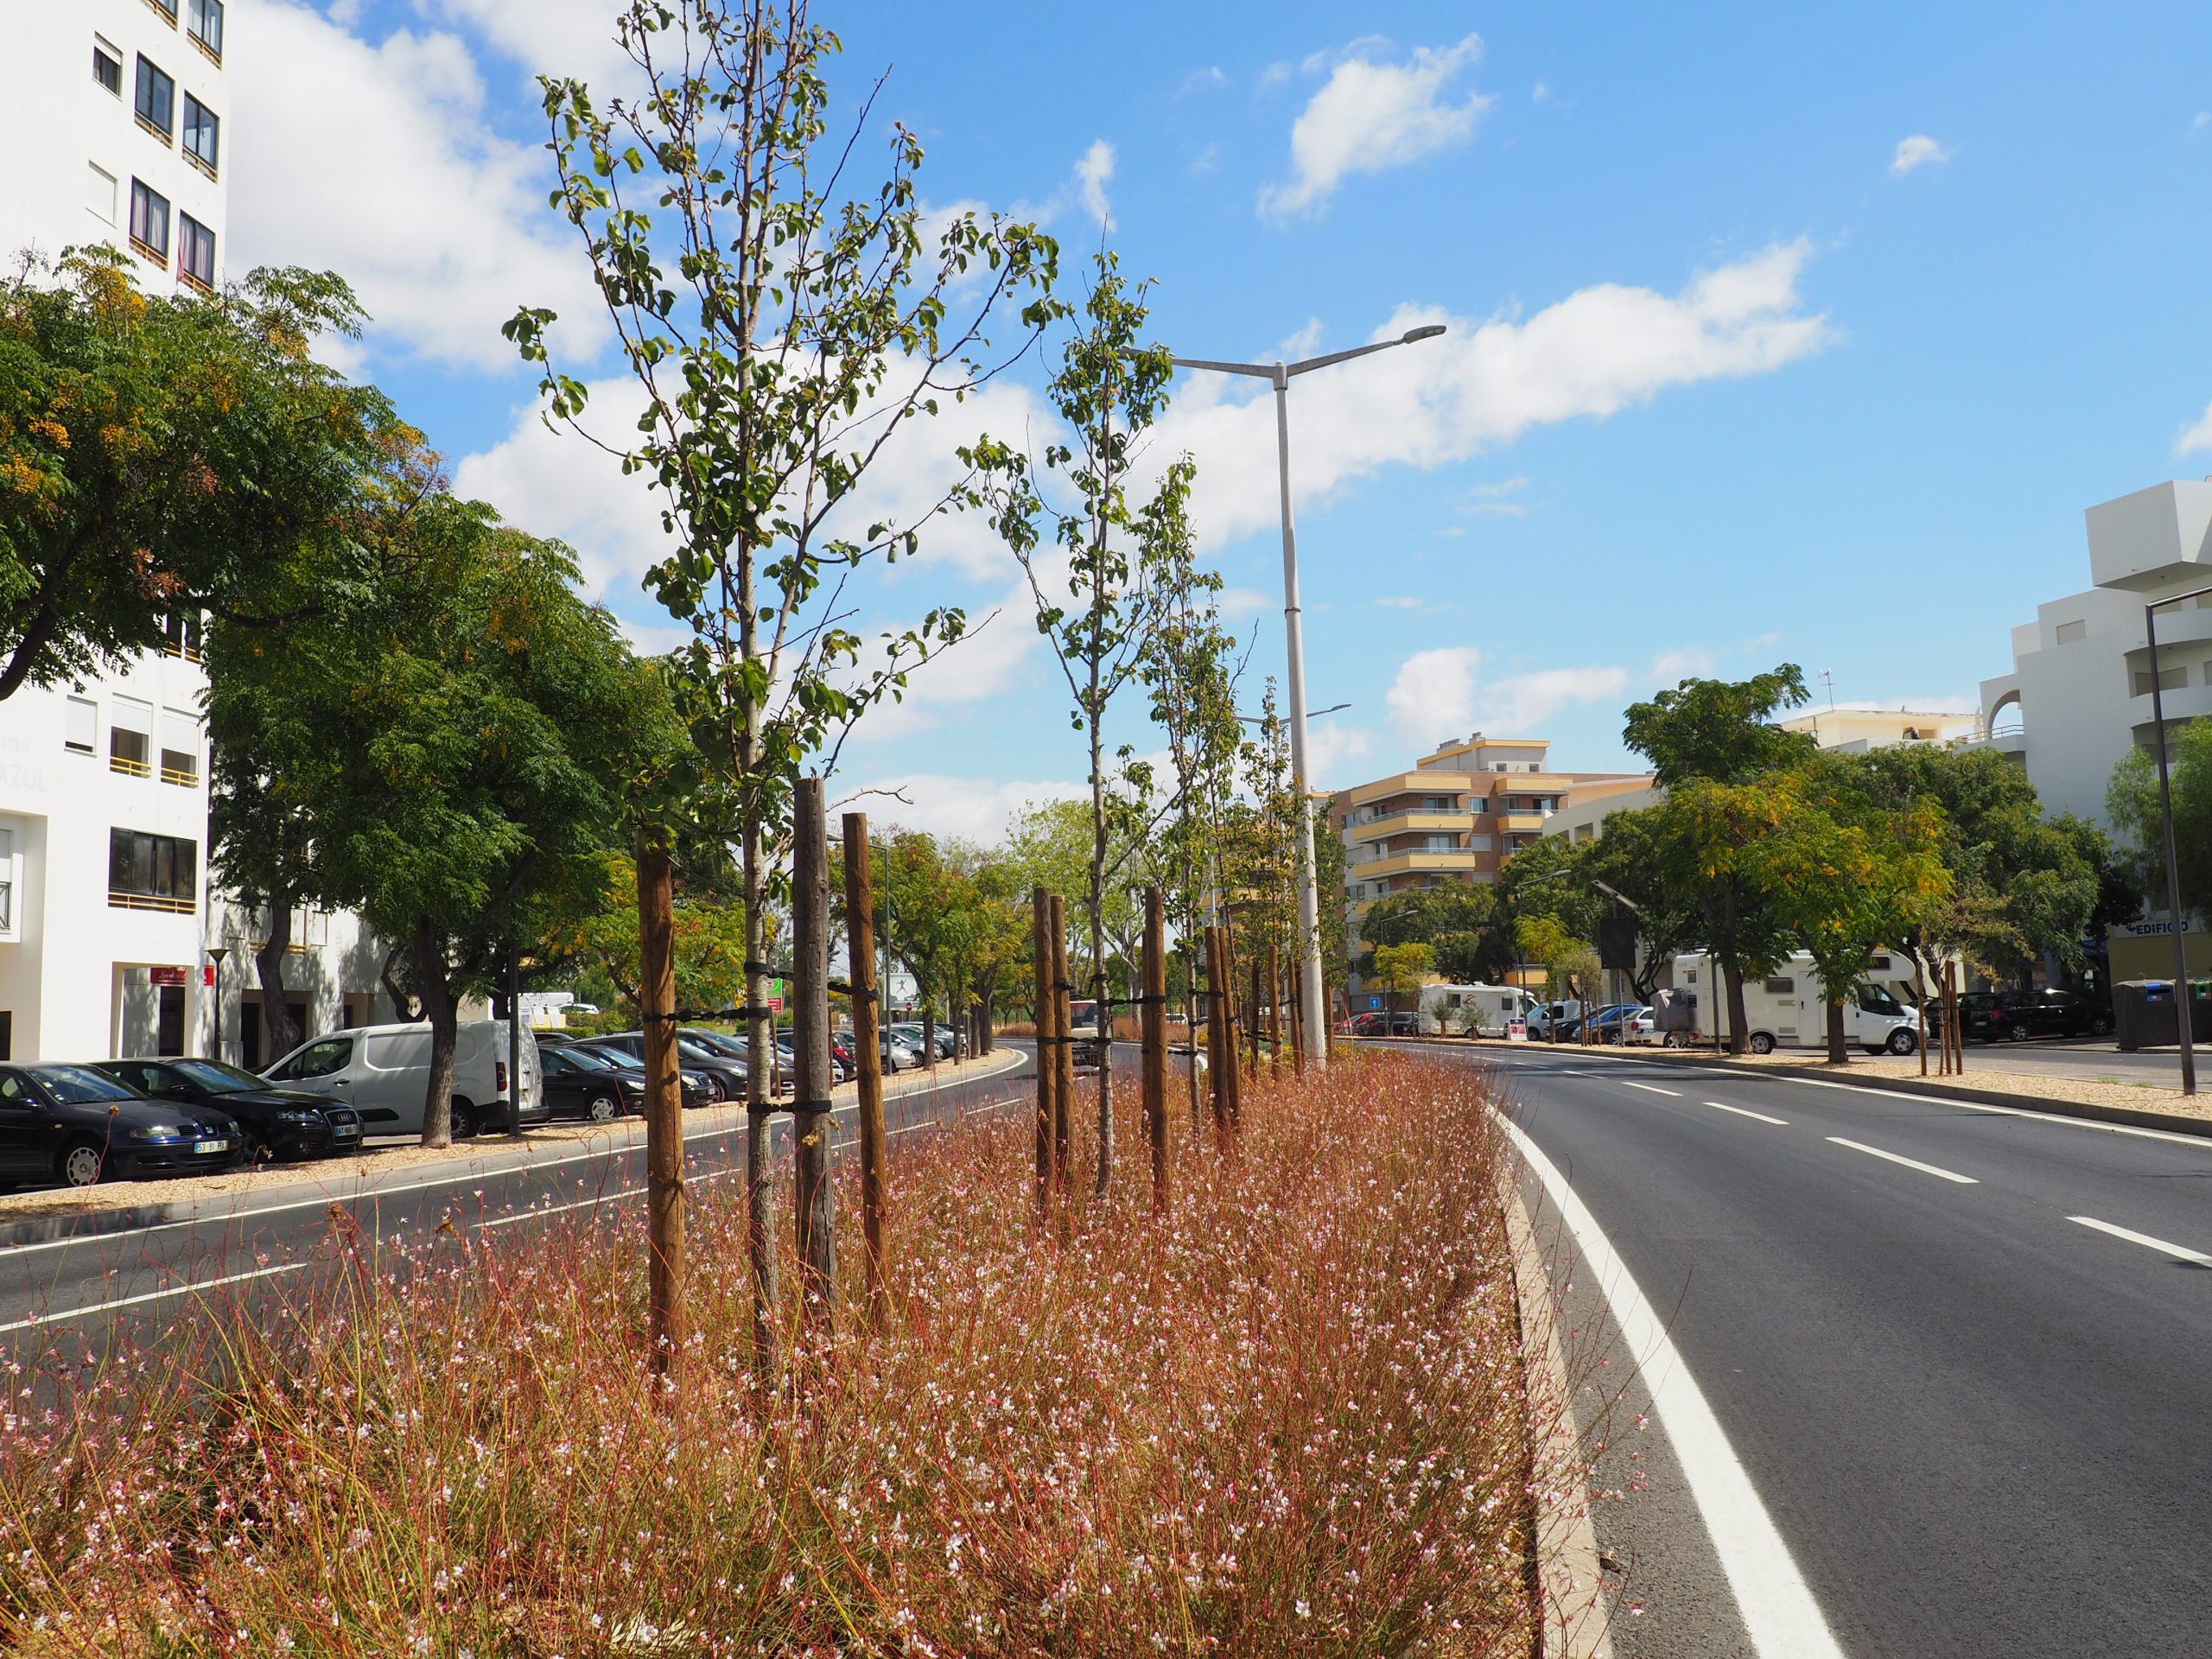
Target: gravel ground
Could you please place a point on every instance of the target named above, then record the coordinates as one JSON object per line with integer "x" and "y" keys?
{"x": 381, "y": 1162}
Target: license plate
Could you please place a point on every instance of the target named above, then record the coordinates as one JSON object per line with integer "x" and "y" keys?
{"x": 345, "y": 1131}
{"x": 204, "y": 1147}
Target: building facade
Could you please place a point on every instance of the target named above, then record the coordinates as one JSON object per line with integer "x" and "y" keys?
{"x": 2079, "y": 695}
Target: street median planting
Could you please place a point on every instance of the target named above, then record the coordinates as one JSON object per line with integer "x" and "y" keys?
{"x": 1284, "y": 1418}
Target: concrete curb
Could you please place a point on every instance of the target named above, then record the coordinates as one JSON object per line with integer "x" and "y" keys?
{"x": 2173, "y": 1123}
{"x": 488, "y": 1155}
{"x": 1577, "y": 1625}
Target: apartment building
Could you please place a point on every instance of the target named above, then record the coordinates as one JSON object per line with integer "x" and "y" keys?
{"x": 1458, "y": 816}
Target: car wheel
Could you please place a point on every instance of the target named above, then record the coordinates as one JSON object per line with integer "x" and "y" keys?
{"x": 1762, "y": 1043}
{"x": 2019, "y": 1032}
{"x": 1615, "y": 1038}
{"x": 81, "y": 1163}
{"x": 2098, "y": 1026}
{"x": 1902, "y": 1041}
{"x": 463, "y": 1121}
{"x": 715, "y": 1091}
{"x": 602, "y": 1108}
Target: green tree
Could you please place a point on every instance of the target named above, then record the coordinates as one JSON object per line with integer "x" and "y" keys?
{"x": 1099, "y": 567}
{"x": 1454, "y": 918}
{"x": 157, "y": 455}
{"x": 785, "y": 323}
{"x": 1705, "y": 842}
{"x": 1402, "y": 969}
{"x": 708, "y": 940}
{"x": 1721, "y": 729}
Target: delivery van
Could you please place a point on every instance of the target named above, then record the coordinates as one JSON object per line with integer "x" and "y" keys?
{"x": 384, "y": 1073}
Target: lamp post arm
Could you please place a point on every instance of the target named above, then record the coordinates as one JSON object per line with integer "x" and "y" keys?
{"x": 1313, "y": 363}
{"x": 1260, "y": 370}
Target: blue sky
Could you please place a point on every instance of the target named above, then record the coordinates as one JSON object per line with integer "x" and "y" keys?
{"x": 1773, "y": 335}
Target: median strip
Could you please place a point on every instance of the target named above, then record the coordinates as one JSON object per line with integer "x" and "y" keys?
{"x": 1746, "y": 1111}
{"x": 2178, "y": 1252}
{"x": 1909, "y": 1163}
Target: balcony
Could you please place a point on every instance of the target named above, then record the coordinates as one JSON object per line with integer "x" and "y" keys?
{"x": 1410, "y": 863}
{"x": 1523, "y": 823}
{"x": 183, "y": 777}
{"x": 164, "y": 903}
{"x": 1411, "y": 821}
{"x": 129, "y": 767}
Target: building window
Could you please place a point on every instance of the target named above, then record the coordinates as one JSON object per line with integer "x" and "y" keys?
{"x": 151, "y": 871}
{"x": 100, "y": 191}
{"x": 195, "y": 253}
{"x": 80, "y": 726}
{"x": 108, "y": 65}
{"x": 181, "y": 632}
{"x": 1781, "y": 988}
{"x": 203, "y": 20}
{"x": 167, "y": 8}
{"x": 2170, "y": 679}
{"x": 203, "y": 133}
{"x": 150, "y": 222}
{"x": 157, "y": 99}
{"x": 2070, "y": 632}
{"x": 180, "y": 748}
{"x": 7, "y": 881}
{"x": 126, "y": 752}
{"x": 1443, "y": 844}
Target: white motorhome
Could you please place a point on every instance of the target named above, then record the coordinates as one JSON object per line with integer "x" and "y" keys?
{"x": 1478, "y": 1010}
{"x": 1788, "y": 1008}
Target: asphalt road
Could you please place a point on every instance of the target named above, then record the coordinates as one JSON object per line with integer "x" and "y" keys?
{"x": 153, "y": 1275}
{"x": 1963, "y": 1356}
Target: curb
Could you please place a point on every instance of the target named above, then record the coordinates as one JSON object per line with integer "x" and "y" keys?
{"x": 2172, "y": 1122}
{"x": 488, "y": 1154}
{"x": 1576, "y": 1622}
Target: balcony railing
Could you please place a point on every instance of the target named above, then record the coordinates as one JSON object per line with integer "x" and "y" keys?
{"x": 148, "y": 253}
{"x": 128, "y": 767}
{"x": 183, "y": 777}
{"x": 166, "y": 8}
{"x": 151, "y": 901}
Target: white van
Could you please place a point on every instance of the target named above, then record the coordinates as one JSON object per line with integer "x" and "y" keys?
{"x": 1788, "y": 1008}
{"x": 384, "y": 1073}
{"x": 1544, "y": 1016}
{"x": 1478, "y": 1010}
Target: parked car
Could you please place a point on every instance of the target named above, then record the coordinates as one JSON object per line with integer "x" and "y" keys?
{"x": 279, "y": 1123}
{"x": 586, "y": 1083}
{"x": 694, "y": 1087}
{"x": 77, "y": 1125}
{"x": 384, "y": 1073}
{"x": 1548, "y": 1021}
{"x": 945, "y": 1039}
{"x": 725, "y": 1075}
{"x": 1640, "y": 1026}
{"x": 2053, "y": 1012}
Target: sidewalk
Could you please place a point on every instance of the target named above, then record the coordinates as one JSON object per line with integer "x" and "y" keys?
{"x": 56, "y": 1212}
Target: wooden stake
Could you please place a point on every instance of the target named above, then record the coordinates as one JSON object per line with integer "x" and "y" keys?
{"x": 1229, "y": 1016}
{"x": 813, "y": 1128}
{"x": 1041, "y": 927}
{"x": 664, "y": 1311}
{"x": 1274, "y": 1012}
{"x": 1221, "y": 1049}
{"x": 1063, "y": 1047}
{"x": 1298, "y": 1019}
{"x": 1155, "y": 1042}
{"x": 859, "y": 951}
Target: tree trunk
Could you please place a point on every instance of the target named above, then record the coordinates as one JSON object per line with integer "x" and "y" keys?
{"x": 760, "y": 1068}
{"x": 1838, "y": 1050}
{"x": 436, "y": 994}
{"x": 928, "y": 995}
{"x": 1102, "y": 1009}
{"x": 664, "y": 1107}
{"x": 280, "y": 1033}
{"x": 1735, "y": 1015}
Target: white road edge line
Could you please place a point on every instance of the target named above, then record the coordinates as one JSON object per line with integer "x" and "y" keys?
{"x": 1746, "y": 1111}
{"x": 2203, "y": 1143}
{"x": 1781, "y": 1616}
{"x": 2178, "y": 1252}
{"x": 1899, "y": 1158}
{"x": 1648, "y": 1088}
{"x": 59, "y": 1316}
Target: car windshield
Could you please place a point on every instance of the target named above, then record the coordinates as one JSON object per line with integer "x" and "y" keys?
{"x": 714, "y": 1043}
{"x": 590, "y": 1058}
{"x": 614, "y": 1059}
{"x": 77, "y": 1085}
{"x": 216, "y": 1077}
{"x": 697, "y": 1050}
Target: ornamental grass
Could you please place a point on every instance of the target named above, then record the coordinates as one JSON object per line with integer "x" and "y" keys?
{"x": 1287, "y": 1418}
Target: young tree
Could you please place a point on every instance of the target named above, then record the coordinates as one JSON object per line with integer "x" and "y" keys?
{"x": 1404, "y": 968}
{"x": 1099, "y": 569}
{"x": 782, "y": 322}
{"x": 1706, "y": 849}
{"x": 1455, "y": 918}
{"x": 1721, "y": 729}
{"x": 157, "y": 455}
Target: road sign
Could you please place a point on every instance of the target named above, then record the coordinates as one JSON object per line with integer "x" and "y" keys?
{"x": 1516, "y": 1031}
{"x": 1374, "y": 1001}
{"x": 775, "y": 1005}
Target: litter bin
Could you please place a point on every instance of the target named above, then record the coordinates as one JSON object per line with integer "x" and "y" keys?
{"x": 2147, "y": 1013}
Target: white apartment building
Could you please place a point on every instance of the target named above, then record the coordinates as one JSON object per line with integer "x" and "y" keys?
{"x": 116, "y": 111}
{"x": 2079, "y": 694}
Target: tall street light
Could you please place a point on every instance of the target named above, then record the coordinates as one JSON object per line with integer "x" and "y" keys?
{"x": 2184, "y": 1003}
{"x": 1309, "y": 899}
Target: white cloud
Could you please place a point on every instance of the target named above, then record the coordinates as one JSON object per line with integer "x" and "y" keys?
{"x": 444, "y": 234}
{"x": 1670, "y": 666}
{"x": 1330, "y": 749}
{"x": 2197, "y": 437}
{"x": 2203, "y": 120}
{"x": 1234, "y": 602}
{"x": 1400, "y": 602}
{"x": 971, "y": 808}
{"x": 1439, "y": 693}
{"x": 1205, "y": 79}
{"x": 1094, "y": 170}
{"x": 1540, "y": 93}
{"x": 1484, "y": 384}
{"x": 1370, "y": 115}
{"x": 1205, "y": 161}
{"x": 549, "y": 37}
{"x": 1916, "y": 151}
{"x": 1274, "y": 74}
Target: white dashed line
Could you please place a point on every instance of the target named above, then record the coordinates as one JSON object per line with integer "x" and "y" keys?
{"x": 1650, "y": 1088}
{"x": 1745, "y": 1111}
{"x": 1909, "y": 1163}
{"x": 2176, "y": 1251}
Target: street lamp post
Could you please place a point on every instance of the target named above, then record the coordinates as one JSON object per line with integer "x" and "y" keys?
{"x": 1279, "y": 376}
{"x": 215, "y": 954}
{"x": 2183, "y": 1002}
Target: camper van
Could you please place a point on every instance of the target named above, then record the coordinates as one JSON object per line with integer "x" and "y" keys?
{"x": 1788, "y": 1008}
{"x": 1478, "y": 1010}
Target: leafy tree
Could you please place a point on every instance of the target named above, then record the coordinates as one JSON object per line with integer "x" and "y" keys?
{"x": 1454, "y": 918}
{"x": 708, "y": 940}
{"x": 1404, "y": 968}
{"x": 991, "y": 956}
{"x": 784, "y": 322}
{"x": 1721, "y": 729}
{"x": 2131, "y": 799}
{"x": 1570, "y": 967}
{"x": 1705, "y": 846}
{"x": 156, "y": 455}
{"x": 1099, "y": 569}
{"x": 1626, "y": 862}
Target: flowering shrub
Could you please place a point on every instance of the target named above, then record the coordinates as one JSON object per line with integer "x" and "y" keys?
{"x": 1284, "y": 1420}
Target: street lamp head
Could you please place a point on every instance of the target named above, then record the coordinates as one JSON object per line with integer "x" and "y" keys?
{"x": 1427, "y": 331}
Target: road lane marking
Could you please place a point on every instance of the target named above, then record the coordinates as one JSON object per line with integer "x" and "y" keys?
{"x": 1899, "y": 1158}
{"x": 58, "y": 1315}
{"x": 1648, "y": 1088}
{"x": 1779, "y": 1613}
{"x": 1745, "y": 1111}
{"x": 2178, "y": 1252}
{"x": 2202, "y": 1143}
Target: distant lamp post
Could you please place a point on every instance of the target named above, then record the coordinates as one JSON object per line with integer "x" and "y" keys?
{"x": 215, "y": 954}
{"x": 1309, "y": 899}
{"x": 2184, "y": 1002}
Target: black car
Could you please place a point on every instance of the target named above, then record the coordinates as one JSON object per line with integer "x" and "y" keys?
{"x": 279, "y": 1123}
{"x": 704, "y": 1082}
{"x": 586, "y": 1083}
{"x": 2052, "y": 1013}
{"x": 77, "y": 1125}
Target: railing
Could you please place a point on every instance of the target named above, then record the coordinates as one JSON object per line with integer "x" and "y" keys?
{"x": 206, "y": 51}
{"x": 151, "y": 901}
{"x": 128, "y": 767}
{"x": 148, "y": 253}
{"x": 181, "y": 777}
{"x": 190, "y": 653}
{"x": 198, "y": 284}
{"x": 154, "y": 129}
{"x": 201, "y": 162}
{"x": 166, "y": 8}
